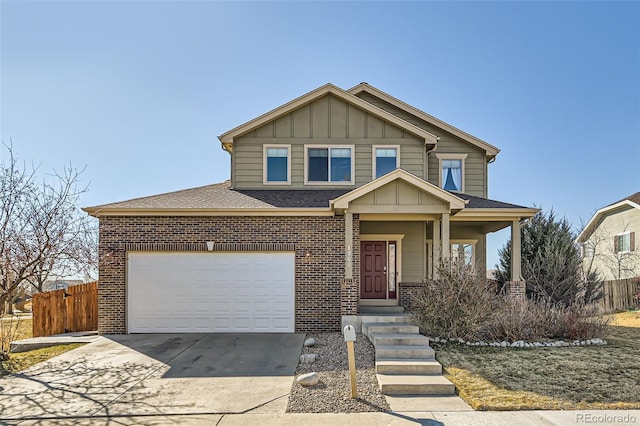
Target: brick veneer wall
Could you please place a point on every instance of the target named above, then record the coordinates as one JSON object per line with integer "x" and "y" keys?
{"x": 319, "y": 277}
{"x": 407, "y": 290}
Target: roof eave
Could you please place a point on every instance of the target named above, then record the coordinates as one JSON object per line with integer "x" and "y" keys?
{"x": 261, "y": 211}
{"x": 589, "y": 228}
{"x": 491, "y": 150}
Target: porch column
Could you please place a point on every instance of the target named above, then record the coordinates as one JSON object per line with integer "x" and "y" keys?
{"x": 435, "y": 261}
{"x": 516, "y": 251}
{"x": 348, "y": 245}
{"x": 446, "y": 244}
{"x": 517, "y": 287}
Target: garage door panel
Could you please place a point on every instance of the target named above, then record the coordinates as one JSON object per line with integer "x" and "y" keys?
{"x": 210, "y": 292}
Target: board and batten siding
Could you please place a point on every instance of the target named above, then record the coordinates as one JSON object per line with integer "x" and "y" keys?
{"x": 475, "y": 163}
{"x": 325, "y": 121}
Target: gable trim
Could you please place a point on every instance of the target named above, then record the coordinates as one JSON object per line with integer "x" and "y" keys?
{"x": 455, "y": 203}
{"x": 591, "y": 225}
{"x": 227, "y": 138}
{"x": 491, "y": 150}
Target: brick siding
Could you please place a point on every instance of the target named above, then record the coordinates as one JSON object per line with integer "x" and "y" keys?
{"x": 319, "y": 281}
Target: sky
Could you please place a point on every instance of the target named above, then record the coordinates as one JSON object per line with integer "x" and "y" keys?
{"x": 138, "y": 91}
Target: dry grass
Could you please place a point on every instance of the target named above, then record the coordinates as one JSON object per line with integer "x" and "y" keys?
{"x": 23, "y": 360}
{"x": 592, "y": 377}
{"x": 626, "y": 319}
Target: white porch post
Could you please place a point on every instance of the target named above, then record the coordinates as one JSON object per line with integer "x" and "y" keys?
{"x": 435, "y": 260}
{"x": 348, "y": 245}
{"x": 516, "y": 251}
{"x": 446, "y": 244}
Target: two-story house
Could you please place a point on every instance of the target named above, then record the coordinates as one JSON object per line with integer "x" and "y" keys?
{"x": 608, "y": 241}
{"x": 337, "y": 199}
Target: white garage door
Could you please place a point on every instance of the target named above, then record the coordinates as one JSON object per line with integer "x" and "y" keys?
{"x": 210, "y": 292}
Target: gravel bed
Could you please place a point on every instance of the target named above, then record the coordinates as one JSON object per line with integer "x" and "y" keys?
{"x": 333, "y": 393}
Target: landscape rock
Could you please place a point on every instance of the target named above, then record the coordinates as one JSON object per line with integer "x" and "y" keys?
{"x": 308, "y": 379}
{"x": 310, "y": 342}
{"x": 308, "y": 358}
{"x": 504, "y": 344}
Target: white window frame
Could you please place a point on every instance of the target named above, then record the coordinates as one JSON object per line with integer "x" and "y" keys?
{"x": 620, "y": 235}
{"x": 461, "y": 157}
{"x": 264, "y": 163}
{"x": 473, "y": 244}
{"x": 373, "y": 157}
{"x": 329, "y": 182}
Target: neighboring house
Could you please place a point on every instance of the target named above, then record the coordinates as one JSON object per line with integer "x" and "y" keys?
{"x": 337, "y": 199}
{"x": 610, "y": 239}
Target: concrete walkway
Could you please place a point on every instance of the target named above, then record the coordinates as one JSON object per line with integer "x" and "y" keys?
{"x": 57, "y": 339}
{"x": 429, "y": 418}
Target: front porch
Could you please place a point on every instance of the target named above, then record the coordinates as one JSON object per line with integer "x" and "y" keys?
{"x": 399, "y": 228}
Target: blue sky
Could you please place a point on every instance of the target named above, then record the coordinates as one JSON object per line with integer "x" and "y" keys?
{"x": 138, "y": 91}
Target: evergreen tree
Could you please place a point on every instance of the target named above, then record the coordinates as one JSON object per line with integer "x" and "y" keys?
{"x": 551, "y": 263}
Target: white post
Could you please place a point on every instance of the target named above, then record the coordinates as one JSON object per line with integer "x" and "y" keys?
{"x": 435, "y": 258}
{"x": 446, "y": 244}
{"x": 516, "y": 251}
{"x": 348, "y": 245}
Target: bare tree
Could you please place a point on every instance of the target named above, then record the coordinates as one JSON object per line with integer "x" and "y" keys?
{"x": 42, "y": 231}
{"x": 601, "y": 251}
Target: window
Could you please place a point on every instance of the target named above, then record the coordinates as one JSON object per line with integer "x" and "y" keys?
{"x": 463, "y": 251}
{"x": 277, "y": 164}
{"x": 624, "y": 242}
{"x": 452, "y": 171}
{"x": 385, "y": 159}
{"x": 329, "y": 164}
{"x": 587, "y": 250}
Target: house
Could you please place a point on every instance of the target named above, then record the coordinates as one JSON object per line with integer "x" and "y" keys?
{"x": 609, "y": 243}
{"x": 337, "y": 199}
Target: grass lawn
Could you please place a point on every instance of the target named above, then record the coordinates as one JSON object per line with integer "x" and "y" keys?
{"x": 591, "y": 377}
{"x": 23, "y": 360}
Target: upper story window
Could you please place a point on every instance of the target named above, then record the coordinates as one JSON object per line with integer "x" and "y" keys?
{"x": 277, "y": 164}
{"x": 329, "y": 164}
{"x": 624, "y": 242}
{"x": 385, "y": 159}
{"x": 451, "y": 171}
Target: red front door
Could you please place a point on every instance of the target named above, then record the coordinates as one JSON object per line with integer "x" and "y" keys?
{"x": 373, "y": 269}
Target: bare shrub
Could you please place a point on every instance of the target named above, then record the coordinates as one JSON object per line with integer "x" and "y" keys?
{"x": 458, "y": 304}
{"x": 8, "y": 333}
{"x": 581, "y": 322}
{"x": 462, "y": 303}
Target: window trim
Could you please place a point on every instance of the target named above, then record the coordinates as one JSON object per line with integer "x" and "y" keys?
{"x": 473, "y": 244}
{"x": 328, "y": 182}
{"x": 265, "y": 147}
{"x": 374, "y": 172}
{"x": 461, "y": 157}
{"x": 616, "y": 240}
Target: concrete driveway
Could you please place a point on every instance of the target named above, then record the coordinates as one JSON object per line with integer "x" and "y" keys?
{"x": 156, "y": 375}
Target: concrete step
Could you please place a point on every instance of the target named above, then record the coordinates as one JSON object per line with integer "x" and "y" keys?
{"x": 386, "y": 327}
{"x": 367, "y": 310}
{"x": 408, "y": 366}
{"x": 404, "y": 339}
{"x": 404, "y": 351}
{"x": 401, "y": 318}
{"x": 391, "y": 384}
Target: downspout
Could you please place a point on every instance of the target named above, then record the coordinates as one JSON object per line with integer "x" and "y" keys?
{"x": 486, "y": 177}
{"x": 425, "y": 159}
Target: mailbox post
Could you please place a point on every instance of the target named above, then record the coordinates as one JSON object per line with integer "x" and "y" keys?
{"x": 350, "y": 337}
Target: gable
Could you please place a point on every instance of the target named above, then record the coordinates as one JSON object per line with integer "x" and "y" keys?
{"x": 227, "y": 138}
{"x": 329, "y": 117}
{"x": 400, "y": 193}
{"x": 618, "y": 217}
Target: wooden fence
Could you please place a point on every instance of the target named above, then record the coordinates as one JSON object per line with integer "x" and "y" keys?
{"x": 620, "y": 295}
{"x": 64, "y": 311}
